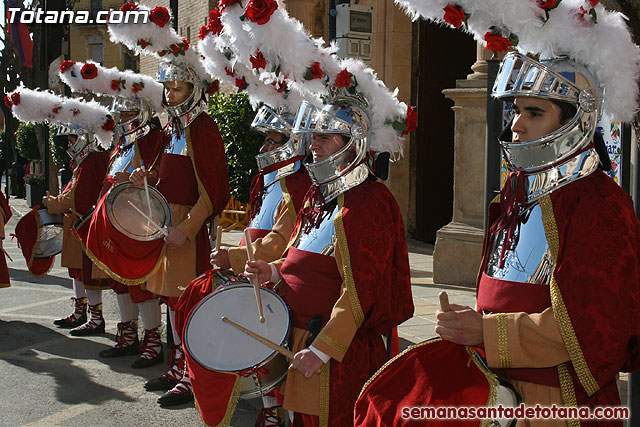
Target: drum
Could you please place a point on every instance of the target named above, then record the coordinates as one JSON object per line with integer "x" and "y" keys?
{"x": 219, "y": 346}
{"x": 431, "y": 375}
{"x": 50, "y": 232}
{"x": 127, "y": 220}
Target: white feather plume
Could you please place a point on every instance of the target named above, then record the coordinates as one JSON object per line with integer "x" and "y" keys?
{"x": 151, "y": 39}
{"x": 149, "y": 90}
{"x": 604, "y": 47}
{"x": 294, "y": 54}
{"x": 37, "y": 106}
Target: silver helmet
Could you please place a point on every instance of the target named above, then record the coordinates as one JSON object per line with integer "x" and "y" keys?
{"x": 170, "y": 72}
{"x": 345, "y": 115}
{"x": 85, "y": 144}
{"x": 138, "y": 126}
{"x": 268, "y": 120}
{"x": 560, "y": 80}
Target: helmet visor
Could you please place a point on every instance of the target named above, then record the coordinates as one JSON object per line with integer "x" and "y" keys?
{"x": 315, "y": 120}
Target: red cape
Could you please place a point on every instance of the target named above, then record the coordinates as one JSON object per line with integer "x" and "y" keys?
{"x": 209, "y": 161}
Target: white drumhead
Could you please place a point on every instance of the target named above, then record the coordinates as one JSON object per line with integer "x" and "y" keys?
{"x": 220, "y": 346}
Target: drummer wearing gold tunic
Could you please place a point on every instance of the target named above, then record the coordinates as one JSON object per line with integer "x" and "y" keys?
{"x": 346, "y": 273}
{"x": 192, "y": 176}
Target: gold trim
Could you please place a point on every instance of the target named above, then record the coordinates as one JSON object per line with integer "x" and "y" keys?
{"x": 287, "y": 198}
{"x": 5, "y": 285}
{"x": 231, "y": 406}
{"x": 325, "y": 384}
{"x": 332, "y": 342}
{"x": 503, "y": 340}
{"x": 559, "y": 309}
{"x": 492, "y": 379}
{"x": 72, "y": 192}
{"x": 567, "y": 392}
{"x": 390, "y": 361}
{"x": 550, "y": 227}
{"x": 117, "y": 277}
{"x": 341, "y": 236}
{"x": 202, "y": 190}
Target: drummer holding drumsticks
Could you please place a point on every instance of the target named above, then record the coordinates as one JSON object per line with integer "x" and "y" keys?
{"x": 192, "y": 176}
{"x": 347, "y": 265}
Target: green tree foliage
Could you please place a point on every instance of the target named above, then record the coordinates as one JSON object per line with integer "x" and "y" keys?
{"x": 58, "y": 145}
{"x": 234, "y": 115}
{"x": 27, "y": 142}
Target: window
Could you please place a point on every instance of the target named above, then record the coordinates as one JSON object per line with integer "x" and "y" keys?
{"x": 97, "y": 52}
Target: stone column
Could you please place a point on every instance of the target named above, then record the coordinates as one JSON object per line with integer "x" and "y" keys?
{"x": 458, "y": 248}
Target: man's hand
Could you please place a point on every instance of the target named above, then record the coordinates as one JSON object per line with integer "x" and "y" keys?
{"x": 258, "y": 270}
{"x": 176, "y": 238}
{"x": 306, "y": 362}
{"x": 461, "y": 325}
{"x": 137, "y": 176}
{"x": 122, "y": 176}
{"x": 220, "y": 258}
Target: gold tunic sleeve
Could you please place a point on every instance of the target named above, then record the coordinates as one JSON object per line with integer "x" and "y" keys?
{"x": 194, "y": 220}
{"x": 336, "y": 336}
{"x": 520, "y": 340}
{"x": 270, "y": 247}
{"x": 60, "y": 204}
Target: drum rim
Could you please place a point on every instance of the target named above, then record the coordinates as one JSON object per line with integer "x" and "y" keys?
{"x": 118, "y": 188}
{"x": 219, "y": 290}
{"x": 59, "y": 236}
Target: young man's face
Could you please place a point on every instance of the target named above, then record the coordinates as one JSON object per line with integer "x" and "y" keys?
{"x": 272, "y": 141}
{"x": 71, "y": 139}
{"x": 125, "y": 116}
{"x": 534, "y": 118}
{"x": 325, "y": 144}
{"x": 176, "y": 92}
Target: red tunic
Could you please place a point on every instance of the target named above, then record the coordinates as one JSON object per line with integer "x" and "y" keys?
{"x": 594, "y": 237}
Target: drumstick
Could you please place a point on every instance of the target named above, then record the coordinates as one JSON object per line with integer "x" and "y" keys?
{"x": 218, "y": 237}
{"x": 124, "y": 169}
{"x": 160, "y": 229}
{"x": 256, "y": 285}
{"x": 283, "y": 351}
{"x": 444, "y": 301}
{"x": 7, "y": 254}
{"x": 146, "y": 187}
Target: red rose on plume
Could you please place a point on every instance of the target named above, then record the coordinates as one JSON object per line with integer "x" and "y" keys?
{"x": 143, "y": 43}
{"x": 222, "y": 4}
{"x": 343, "y": 79}
{"x": 7, "y": 101}
{"x": 89, "y": 71}
{"x": 15, "y": 98}
{"x": 56, "y": 110}
{"x": 454, "y": 15}
{"x": 115, "y": 84}
{"x": 160, "y": 16}
{"x": 241, "y": 83}
{"x": 258, "y": 61}
{"x": 592, "y": 3}
{"x": 411, "y": 121}
{"x": 185, "y": 44}
{"x": 547, "y": 4}
{"x": 214, "y": 26}
{"x": 213, "y": 87}
{"x": 260, "y": 11}
{"x": 229, "y": 72}
{"x": 174, "y": 48}
{"x": 137, "y": 87}
{"x": 66, "y": 65}
{"x": 109, "y": 125}
{"x": 129, "y": 6}
{"x": 315, "y": 70}
{"x": 496, "y": 42}
{"x": 280, "y": 86}
{"x": 75, "y": 111}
